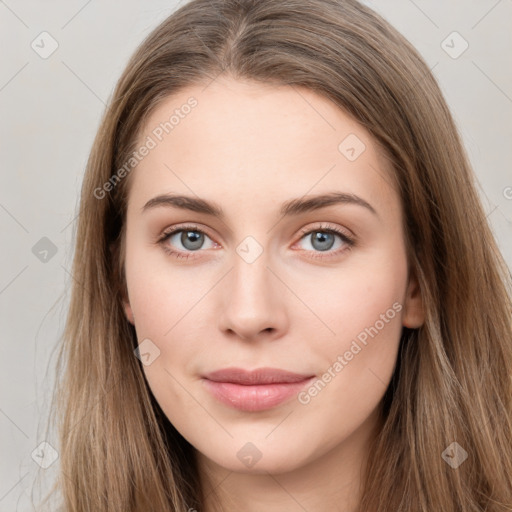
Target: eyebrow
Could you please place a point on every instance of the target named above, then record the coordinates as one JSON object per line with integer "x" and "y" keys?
{"x": 289, "y": 208}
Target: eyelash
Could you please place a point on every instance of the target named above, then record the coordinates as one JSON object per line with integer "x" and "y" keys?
{"x": 349, "y": 241}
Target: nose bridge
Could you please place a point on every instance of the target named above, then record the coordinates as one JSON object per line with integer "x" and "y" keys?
{"x": 254, "y": 302}
{"x": 250, "y": 282}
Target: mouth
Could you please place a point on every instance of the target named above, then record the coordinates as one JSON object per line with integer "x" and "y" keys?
{"x": 256, "y": 390}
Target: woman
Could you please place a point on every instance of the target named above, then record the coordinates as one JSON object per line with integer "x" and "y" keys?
{"x": 286, "y": 293}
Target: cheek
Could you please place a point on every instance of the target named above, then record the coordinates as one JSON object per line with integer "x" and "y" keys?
{"x": 361, "y": 311}
{"x": 160, "y": 296}
{"x": 346, "y": 302}
{"x": 357, "y": 366}
{"x": 358, "y": 347}
{"x": 169, "y": 310}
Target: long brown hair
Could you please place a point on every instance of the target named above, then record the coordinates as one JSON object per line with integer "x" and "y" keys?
{"x": 452, "y": 381}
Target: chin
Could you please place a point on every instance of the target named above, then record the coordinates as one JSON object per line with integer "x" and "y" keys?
{"x": 258, "y": 457}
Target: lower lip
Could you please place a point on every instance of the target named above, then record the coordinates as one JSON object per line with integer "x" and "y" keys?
{"x": 255, "y": 397}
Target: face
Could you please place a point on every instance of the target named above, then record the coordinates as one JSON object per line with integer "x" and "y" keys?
{"x": 287, "y": 255}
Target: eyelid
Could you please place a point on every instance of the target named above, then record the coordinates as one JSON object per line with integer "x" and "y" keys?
{"x": 327, "y": 227}
{"x": 167, "y": 232}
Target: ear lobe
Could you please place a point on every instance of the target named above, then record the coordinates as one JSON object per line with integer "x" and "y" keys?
{"x": 414, "y": 315}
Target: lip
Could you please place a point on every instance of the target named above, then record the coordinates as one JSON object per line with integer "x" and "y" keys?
{"x": 256, "y": 390}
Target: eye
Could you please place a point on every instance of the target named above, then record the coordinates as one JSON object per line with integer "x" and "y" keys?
{"x": 190, "y": 239}
{"x": 186, "y": 239}
{"x": 323, "y": 239}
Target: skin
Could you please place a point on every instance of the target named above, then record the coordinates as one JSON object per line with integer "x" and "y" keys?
{"x": 249, "y": 147}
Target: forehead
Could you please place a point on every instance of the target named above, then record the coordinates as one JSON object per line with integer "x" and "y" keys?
{"x": 250, "y": 141}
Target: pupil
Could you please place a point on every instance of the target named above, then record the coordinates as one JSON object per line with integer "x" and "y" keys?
{"x": 191, "y": 240}
{"x": 321, "y": 239}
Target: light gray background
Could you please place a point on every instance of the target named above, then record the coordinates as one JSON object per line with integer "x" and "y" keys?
{"x": 50, "y": 110}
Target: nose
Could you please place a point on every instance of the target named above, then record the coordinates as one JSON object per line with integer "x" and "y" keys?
{"x": 253, "y": 305}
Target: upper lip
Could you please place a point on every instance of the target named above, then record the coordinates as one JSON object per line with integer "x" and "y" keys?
{"x": 254, "y": 377}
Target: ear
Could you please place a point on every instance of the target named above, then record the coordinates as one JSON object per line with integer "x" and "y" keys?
{"x": 128, "y": 311}
{"x": 115, "y": 254}
{"x": 413, "y": 315}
